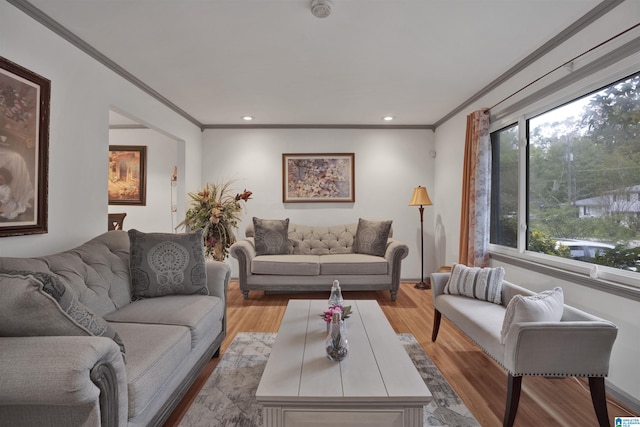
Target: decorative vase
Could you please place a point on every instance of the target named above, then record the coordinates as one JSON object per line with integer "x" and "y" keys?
{"x": 336, "y": 344}
{"x": 336, "y": 295}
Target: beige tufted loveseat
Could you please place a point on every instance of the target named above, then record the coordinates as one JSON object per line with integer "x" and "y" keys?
{"x": 318, "y": 255}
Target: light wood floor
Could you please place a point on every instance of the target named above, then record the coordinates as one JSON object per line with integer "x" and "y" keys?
{"x": 477, "y": 379}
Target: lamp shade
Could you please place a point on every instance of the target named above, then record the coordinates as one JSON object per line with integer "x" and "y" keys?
{"x": 420, "y": 197}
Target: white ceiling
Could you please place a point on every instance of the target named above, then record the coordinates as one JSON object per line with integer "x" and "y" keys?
{"x": 218, "y": 60}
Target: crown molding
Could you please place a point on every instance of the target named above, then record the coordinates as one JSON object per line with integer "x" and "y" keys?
{"x": 316, "y": 126}
{"x": 127, "y": 127}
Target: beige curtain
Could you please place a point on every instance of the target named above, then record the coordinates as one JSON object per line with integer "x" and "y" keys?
{"x": 476, "y": 192}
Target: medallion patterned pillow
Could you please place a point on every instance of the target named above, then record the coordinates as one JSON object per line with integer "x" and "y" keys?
{"x": 475, "y": 282}
{"x": 371, "y": 237}
{"x": 271, "y": 236}
{"x": 546, "y": 306}
{"x": 40, "y": 304}
{"x": 167, "y": 264}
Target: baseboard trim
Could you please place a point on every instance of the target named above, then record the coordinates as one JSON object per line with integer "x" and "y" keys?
{"x": 623, "y": 397}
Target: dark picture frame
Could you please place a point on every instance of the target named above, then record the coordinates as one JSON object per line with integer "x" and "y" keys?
{"x": 318, "y": 177}
{"x": 24, "y": 150}
{"x": 127, "y": 175}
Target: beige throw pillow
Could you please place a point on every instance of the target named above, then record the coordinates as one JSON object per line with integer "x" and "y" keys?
{"x": 547, "y": 306}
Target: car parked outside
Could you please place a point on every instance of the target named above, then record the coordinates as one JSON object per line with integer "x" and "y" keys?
{"x": 584, "y": 250}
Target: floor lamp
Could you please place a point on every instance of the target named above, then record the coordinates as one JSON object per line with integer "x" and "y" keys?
{"x": 421, "y": 198}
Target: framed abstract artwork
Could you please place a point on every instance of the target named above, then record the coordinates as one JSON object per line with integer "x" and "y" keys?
{"x": 318, "y": 177}
{"x": 127, "y": 175}
{"x": 24, "y": 150}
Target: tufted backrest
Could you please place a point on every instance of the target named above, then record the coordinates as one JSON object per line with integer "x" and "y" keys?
{"x": 97, "y": 271}
{"x": 310, "y": 240}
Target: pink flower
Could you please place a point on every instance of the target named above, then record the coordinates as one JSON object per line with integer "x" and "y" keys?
{"x": 328, "y": 315}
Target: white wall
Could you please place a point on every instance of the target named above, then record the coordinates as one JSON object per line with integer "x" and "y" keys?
{"x": 82, "y": 93}
{"x": 388, "y": 165}
{"x": 162, "y": 156}
{"x": 624, "y": 375}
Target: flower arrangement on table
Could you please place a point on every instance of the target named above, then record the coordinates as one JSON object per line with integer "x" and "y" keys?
{"x": 217, "y": 211}
{"x": 345, "y": 312}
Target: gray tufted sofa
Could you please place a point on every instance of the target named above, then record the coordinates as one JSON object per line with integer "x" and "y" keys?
{"x": 83, "y": 380}
{"x": 318, "y": 256}
{"x": 578, "y": 345}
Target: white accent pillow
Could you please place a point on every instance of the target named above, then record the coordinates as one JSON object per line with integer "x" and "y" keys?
{"x": 546, "y": 306}
{"x": 475, "y": 282}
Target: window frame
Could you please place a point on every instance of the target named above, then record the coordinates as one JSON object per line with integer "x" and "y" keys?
{"x": 607, "y": 279}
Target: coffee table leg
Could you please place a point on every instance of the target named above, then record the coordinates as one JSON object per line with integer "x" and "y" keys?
{"x": 271, "y": 416}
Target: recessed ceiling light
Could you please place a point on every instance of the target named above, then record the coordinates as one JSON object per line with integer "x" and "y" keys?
{"x": 247, "y": 118}
{"x": 388, "y": 118}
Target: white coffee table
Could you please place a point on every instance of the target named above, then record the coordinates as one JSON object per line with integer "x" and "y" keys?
{"x": 376, "y": 385}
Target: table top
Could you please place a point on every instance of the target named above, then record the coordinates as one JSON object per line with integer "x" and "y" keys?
{"x": 377, "y": 368}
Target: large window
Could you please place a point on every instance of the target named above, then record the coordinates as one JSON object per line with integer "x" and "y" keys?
{"x": 581, "y": 172}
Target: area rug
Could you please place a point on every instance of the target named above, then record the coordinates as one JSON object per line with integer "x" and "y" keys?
{"x": 227, "y": 399}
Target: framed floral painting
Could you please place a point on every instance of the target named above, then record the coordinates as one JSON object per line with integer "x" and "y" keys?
{"x": 24, "y": 150}
{"x": 318, "y": 177}
{"x": 127, "y": 175}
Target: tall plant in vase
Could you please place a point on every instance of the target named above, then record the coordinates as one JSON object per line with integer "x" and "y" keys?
{"x": 216, "y": 210}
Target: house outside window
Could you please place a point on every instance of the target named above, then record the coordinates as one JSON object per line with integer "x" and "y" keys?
{"x": 580, "y": 171}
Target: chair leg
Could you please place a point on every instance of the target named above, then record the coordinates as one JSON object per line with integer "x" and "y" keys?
{"x": 514, "y": 384}
{"x": 437, "y": 316}
{"x": 599, "y": 399}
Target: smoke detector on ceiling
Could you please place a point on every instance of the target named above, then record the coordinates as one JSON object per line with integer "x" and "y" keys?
{"x": 321, "y": 8}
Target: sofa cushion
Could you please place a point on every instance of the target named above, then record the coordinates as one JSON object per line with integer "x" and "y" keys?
{"x": 475, "y": 282}
{"x": 371, "y": 237}
{"x": 202, "y": 315}
{"x": 154, "y": 352}
{"x": 40, "y": 304}
{"x": 167, "y": 264}
{"x": 290, "y": 265}
{"x": 271, "y": 236}
{"x": 353, "y": 264}
{"x": 478, "y": 319}
{"x": 546, "y": 306}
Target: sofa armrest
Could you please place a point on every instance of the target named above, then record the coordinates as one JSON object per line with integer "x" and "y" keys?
{"x": 218, "y": 276}
{"x": 438, "y": 282}
{"x": 396, "y": 249}
{"x": 64, "y": 371}
{"x": 395, "y": 253}
{"x": 244, "y": 251}
{"x": 574, "y": 348}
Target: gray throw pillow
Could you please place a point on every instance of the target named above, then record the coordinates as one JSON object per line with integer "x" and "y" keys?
{"x": 271, "y": 236}
{"x": 475, "y": 282}
{"x": 371, "y": 237}
{"x": 167, "y": 264}
{"x": 40, "y": 304}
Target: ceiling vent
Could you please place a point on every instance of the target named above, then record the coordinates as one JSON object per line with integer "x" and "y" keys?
{"x": 321, "y": 8}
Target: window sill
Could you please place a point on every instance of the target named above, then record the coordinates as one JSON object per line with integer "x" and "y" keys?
{"x": 620, "y": 283}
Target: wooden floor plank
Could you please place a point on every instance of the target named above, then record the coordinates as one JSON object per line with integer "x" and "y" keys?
{"x": 478, "y": 380}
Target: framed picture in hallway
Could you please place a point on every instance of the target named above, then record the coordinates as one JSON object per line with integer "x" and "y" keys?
{"x": 24, "y": 150}
{"x": 318, "y": 177}
{"x": 127, "y": 175}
